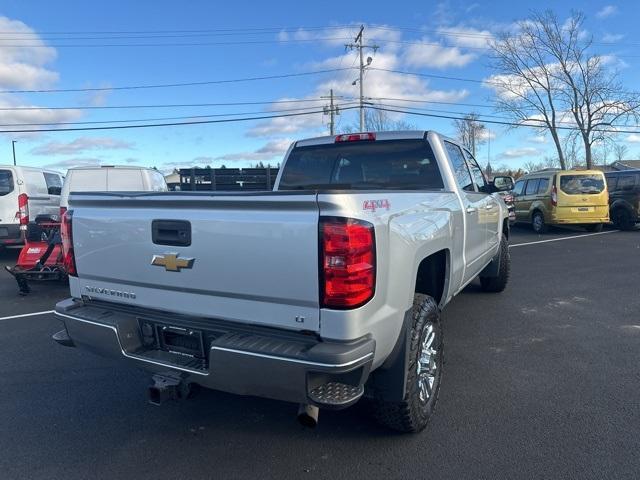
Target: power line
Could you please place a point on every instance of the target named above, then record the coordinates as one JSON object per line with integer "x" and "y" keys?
{"x": 184, "y": 117}
{"x": 224, "y": 104}
{"x": 174, "y": 44}
{"x": 168, "y": 105}
{"x": 186, "y": 84}
{"x": 222, "y": 30}
{"x": 496, "y": 122}
{"x": 429, "y": 75}
{"x": 169, "y": 124}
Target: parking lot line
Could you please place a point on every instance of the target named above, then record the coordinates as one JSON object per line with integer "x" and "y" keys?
{"x": 26, "y": 315}
{"x": 562, "y": 238}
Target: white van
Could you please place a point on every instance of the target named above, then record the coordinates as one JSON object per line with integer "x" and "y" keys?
{"x": 111, "y": 179}
{"x": 25, "y": 193}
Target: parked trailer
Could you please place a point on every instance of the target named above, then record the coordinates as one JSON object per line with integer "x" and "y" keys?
{"x": 228, "y": 179}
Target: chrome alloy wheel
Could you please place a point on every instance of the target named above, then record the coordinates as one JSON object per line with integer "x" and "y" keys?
{"x": 427, "y": 364}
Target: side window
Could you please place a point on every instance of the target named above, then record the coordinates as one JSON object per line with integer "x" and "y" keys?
{"x": 544, "y": 184}
{"x": 476, "y": 172}
{"x": 460, "y": 170}
{"x": 518, "y": 188}
{"x": 627, "y": 182}
{"x": 611, "y": 183}
{"x": 532, "y": 187}
{"x": 54, "y": 183}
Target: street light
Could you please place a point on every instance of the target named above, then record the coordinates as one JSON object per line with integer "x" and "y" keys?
{"x": 13, "y": 146}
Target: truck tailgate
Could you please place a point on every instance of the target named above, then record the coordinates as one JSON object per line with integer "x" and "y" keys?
{"x": 254, "y": 256}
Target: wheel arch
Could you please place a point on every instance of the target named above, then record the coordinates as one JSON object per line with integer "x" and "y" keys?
{"x": 432, "y": 276}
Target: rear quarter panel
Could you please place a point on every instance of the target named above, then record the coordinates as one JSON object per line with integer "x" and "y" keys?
{"x": 416, "y": 225}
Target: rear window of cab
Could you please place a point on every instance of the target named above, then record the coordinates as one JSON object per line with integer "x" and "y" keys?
{"x": 389, "y": 164}
{"x": 6, "y": 182}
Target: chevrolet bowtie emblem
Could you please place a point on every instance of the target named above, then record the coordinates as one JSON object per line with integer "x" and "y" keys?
{"x": 171, "y": 262}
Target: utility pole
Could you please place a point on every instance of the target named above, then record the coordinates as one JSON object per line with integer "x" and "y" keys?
{"x": 359, "y": 44}
{"x": 13, "y": 146}
{"x": 332, "y": 111}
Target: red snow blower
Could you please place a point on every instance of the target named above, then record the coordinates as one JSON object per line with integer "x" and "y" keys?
{"x": 41, "y": 258}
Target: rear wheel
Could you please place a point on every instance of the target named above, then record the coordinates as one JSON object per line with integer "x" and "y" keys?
{"x": 499, "y": 283}
{"x": 538, "y": 223}
{"x": 424, "y": 372}
{"x": 594, "y": 227}
{"x": 622, "y": 219}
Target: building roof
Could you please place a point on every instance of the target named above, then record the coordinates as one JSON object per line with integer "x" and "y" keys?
{"x": 626, "y": 165}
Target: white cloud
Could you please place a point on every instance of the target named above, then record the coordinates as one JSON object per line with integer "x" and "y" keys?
{"x": 271, "y": 150}
{"x": 607, "y": 11}
{"x": 520, "y": 152}
{"x": 487, "y": 134}
{"x": 18, "y": 113}
{"x": 612, "y": 37}
{"x": 80, "y": 145}
{"x": 74, "y": 162}
{"x": 428, "y": 54}
{"x": 633, "y": 138}
{"x": 378, "y": 84}
{"x": 462, "y": 36}
{"x": 537, "y": 139}
{"x": 23, "y": 67}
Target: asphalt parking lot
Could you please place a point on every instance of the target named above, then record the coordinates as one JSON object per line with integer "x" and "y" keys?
{"x": 541, "y": 381}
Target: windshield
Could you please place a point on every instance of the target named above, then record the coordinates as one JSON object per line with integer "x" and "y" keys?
{"x": 389, "y": 164}
{"x": 581, "y": 184}
{"x": 6, "y": 182}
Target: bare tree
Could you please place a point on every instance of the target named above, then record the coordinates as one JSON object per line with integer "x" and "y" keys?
{"x": 591, "y": 89}
{"x": 571, "y": 150}
{"x": 547, "y": 69}
{"x": 470, "y": 132}
{"x": 531, "y": 166}
{"x": 379, "y": 121}
{"x": 526, "y": 88}
{"x": 620, "y": 151}
{"x": 600, "y": 153}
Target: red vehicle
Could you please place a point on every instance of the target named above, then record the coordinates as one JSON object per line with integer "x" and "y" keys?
{"x": 41, "y": 258}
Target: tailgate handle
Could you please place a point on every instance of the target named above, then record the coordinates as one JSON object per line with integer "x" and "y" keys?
{"x": 176, "y": 233}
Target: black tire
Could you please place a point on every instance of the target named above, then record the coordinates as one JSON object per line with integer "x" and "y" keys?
{"x": 622, "y": 219}
{"x": 538, "y": 224}
{"x": 593, "y": 227}
{"x": 412, "y": 414}
{"x": 499, "y": 283}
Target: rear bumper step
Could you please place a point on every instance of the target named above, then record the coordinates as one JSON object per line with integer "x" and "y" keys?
{"x": 239, "y": 359}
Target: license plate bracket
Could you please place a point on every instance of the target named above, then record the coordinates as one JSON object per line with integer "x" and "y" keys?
{"x": 185, "y": 341}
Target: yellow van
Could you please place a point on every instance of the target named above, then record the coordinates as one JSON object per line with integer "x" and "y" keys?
{"x": 562, "y": 197}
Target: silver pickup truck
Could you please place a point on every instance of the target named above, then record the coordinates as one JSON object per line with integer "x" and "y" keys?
{"x": 325, "y": 290}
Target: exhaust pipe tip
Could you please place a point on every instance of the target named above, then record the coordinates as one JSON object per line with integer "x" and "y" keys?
{"x": 308, "y": 415}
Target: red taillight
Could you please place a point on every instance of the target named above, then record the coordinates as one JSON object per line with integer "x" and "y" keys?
{"x": 62, "y": 210}
{"x": 554, "y": 196}
{"x": 66, "y": 232}
{"x": 23, "y": 210}
{"x": 355, "y": 137}
{"x": 348, "y": 259}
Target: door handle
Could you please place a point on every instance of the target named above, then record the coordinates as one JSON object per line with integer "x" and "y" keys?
{"x": 471, "y": 210}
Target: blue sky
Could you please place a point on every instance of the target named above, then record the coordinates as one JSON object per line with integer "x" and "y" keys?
{"x": 297, "y": 37}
